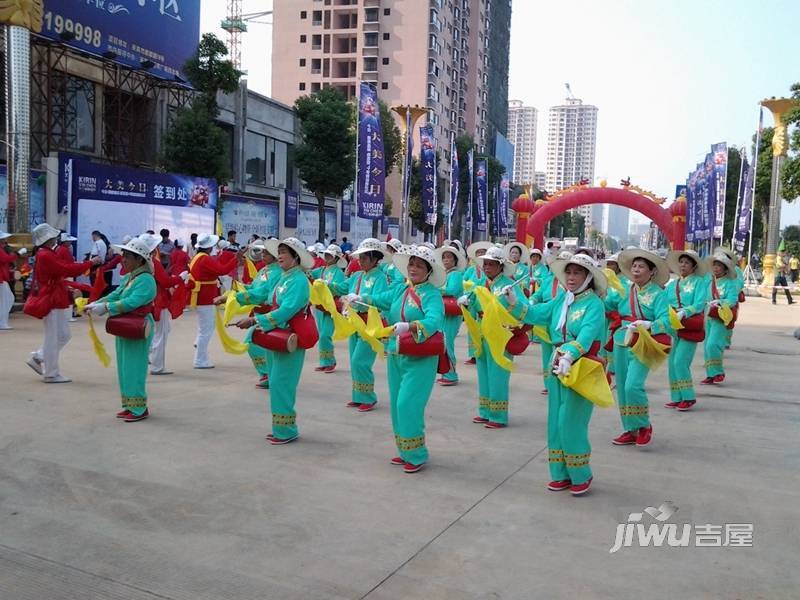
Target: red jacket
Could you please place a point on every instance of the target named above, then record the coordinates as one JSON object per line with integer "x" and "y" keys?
{"x": 64, "y": 253}
{"x": 178, "y": 262}
{"x": 7, "y": 261}
{"x": 203, "y": 273}
{"x": 260, "y": 264}
{"x": 49, "y": 273}
{"x": 353, "y": 266}
{"x": 164, "y": 284}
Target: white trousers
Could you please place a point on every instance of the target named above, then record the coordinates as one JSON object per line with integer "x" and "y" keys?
{"x": 205, "y": 329}
{"x": 6, "y": 303}
{"x": 56, "y": 336}
{"x": 158, "y": 347}
{"x": 225, "y": 283}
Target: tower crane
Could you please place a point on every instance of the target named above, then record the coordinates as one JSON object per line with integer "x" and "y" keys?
{"x": 570, "y": 95}
{"x": 235, "y": 23}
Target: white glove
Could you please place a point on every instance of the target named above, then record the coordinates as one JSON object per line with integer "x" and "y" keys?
{"x": 97, "y": 309}
{"x": 22, "y": 251}
{"x": 185, "y": 276}
{"x": 510, "y": 294}
{"x": 645, "y": 324}
{"x": 463, "y": 300}
{"x": 400, "y": 328}
{"x": 350, "y": 298}
{"x": 681, "y": 315}
{"x": 714, "y": 302}
{"x": 563, "y": 366}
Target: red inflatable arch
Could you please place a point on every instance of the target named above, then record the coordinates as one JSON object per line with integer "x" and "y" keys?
{"x": 532, "y": 217}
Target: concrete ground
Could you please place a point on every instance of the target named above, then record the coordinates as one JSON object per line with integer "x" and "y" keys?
{"x": 194, "y": 504}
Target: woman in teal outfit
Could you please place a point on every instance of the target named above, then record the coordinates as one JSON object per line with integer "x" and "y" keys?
{"x": 416, "y": 309}
{"x": 454, "y": 262}
{"x": 474, "y": 275}
{"x": 576, "y": 322}
{"x": 135, "y": 295}
{"x": 333, "y": 275}
{"x": 613, "y": 318}
{"x": 723, "y": 291}
{"x": 492, "y": 378}
{"x": 645, "y": 304}
{"x": 289, "y": 297}
{"x": 518, "y": 254}
{"x": 391, "y": 248}
{"x": 359, "y": 290}
{"x": 687, "y": 296}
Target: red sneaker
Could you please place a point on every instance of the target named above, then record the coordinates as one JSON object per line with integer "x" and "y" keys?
{"x": 671, "y": 404}
{"x": 329, "y": 369}
{"x": 409, "y": 468}
{"x": 263, "y": 382}
{"x": 132, "y": 418}
{"x": 479, "y": 420}
{"x": 719, "y": 378}
{"x": 353, "y": 404}
{"x": 626, "y": 439}
{"x": 320, "y": 368}
{"x": 644, "y": 435}
{"x": 708, "y": 381}
{"x": 544, "y": 392}
{"x": 366, "y": 407}
{"x": 686, "y": 405}
{"x": 495, "y": 425}
{"x": 559, "y": 486}
{"x": 275, "y": 441}
{"x": 123, "y": 413}
{"x": 470, "y": 361}
{"x": 398, "y": 461}
{"x": 446, "y": 382}
{"x": 581, "y": 488}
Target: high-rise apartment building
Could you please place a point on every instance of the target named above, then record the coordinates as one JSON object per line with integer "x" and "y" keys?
{"x": 571, "y": 137}
{"x": 522, "y": 122}
{"x": 435, "y": 54}
{"x": 540, "y": 180}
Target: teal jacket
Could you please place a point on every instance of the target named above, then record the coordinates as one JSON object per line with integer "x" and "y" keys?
{"x": 652, "y": 306}
{"x": 401, "y": 306}
{"x": 260, "y": 291}
{"x": 291, "y": 295}
{"x": 137, "y": 289}
{"x": 693, "y": 294}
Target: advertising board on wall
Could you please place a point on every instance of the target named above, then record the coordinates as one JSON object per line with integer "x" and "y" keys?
{"x": 308, "y": 223}
{"x": 136, "y": 33}
{"x": 36, "y": 188}
{"x": 247, "y": 216}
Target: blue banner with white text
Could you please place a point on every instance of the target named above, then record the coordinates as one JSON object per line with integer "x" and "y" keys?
{"x": 370, "y": 183}
{"x": 427, "y": 158}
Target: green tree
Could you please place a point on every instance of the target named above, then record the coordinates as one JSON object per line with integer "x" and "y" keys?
{"x": 325, "y": 155}
{"x": 194, "y": 144}
{"x": 790, "y": 174}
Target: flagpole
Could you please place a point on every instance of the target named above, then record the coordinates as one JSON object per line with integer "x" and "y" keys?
{"x": 755, "y": 178}
{"x": 738, "y": 194}
{"x": 450, "y": 200}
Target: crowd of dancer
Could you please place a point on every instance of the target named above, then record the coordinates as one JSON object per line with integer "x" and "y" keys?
{"x": 598, "y": 327}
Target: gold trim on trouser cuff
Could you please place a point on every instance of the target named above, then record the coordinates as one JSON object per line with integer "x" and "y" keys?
{"x": 577, "y": 460}
{"x": 634, "y": 410}
{"x": 259, "y": 362}
{"x": 135, "y": 401}
{"x": 498, "y": 405}
{"x": 714, "y": 362}
{"x": 363, "y": 387}
{"x": 408, "y": 444}
{"x": 483, "y": 402}
{"x": 556, "y": 456}
{"x": 284, "y": 419}
{"x": 680, "y": 385}
{"x": 326, "y": 354}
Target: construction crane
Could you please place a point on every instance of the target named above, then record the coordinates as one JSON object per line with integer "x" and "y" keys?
{"x": 570, "y": 95}
{"x": 236, "y": 24}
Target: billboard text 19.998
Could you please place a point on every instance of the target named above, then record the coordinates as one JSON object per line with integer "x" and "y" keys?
{"x": 136, "y": 33}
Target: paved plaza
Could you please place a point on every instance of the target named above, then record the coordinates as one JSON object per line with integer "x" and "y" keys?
{"x": 195, "y": 504}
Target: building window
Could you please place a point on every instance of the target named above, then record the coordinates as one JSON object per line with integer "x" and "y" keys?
{"x": 316, "y": 66}
{"x": 386, "y": 36}
{"x": 73, "y": 113}
{"x": 255, "y": 157}
{"x": 370, "y": 64}
{"x": 371, "y": 39}
{"x": 303, "y": 14}
{"x": 302, "y": 62}
{"x": 370, "y": 15}
{"x": 385, "y": 61}
{"x": 316, "y": 42}
{"x": 316, "y": 17}
{"x": 302, "y": 86}
{"x": 384, "y": 86}
{"x": 387, "y": 12}
{"x": 302, "y": 39}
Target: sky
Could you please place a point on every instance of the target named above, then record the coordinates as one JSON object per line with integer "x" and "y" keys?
{"x": 669, "y": 78}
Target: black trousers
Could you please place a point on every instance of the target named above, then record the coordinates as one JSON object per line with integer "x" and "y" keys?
{"x": 780, "y": 279}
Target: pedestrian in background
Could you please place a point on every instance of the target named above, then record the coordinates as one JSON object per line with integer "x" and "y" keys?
{"x": 781, "y": 271}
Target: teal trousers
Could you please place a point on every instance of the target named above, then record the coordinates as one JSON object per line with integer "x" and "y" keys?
{"x": 569, "y": 450}
{"x": 327, "y": 358}
{"x": 411, "y": 380}
{"x": 680, "y": 369}
{"x": 492, "y": 387}
{"x": 634, "y": 407}
{"x": 284, "y": 377}
{"x": 451, "y": 327}
{"x": 362, "y": 358}
{"x": 714, "y": 348}
{"x": 132, "y": 361}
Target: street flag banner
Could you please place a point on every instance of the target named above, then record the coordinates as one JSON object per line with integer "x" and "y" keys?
{"x": 495, "y": 212}
{"x": 720, "y": 155}
{"x": 482, "y": 181}
{"x": 427, "y": 157}
{"x": 471, "y": 179}
{"x": 454, "y": 181}
{"x": 745, "y": 206}
{"x": 371, "y": 163}
{"x": 505, "y": 198}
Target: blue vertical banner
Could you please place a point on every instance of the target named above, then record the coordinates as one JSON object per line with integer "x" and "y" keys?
{"x": 471, "y": 179}
{"x": 495, "y": 213}
{"x": 454, "y": 184}
{"x": 347, "y": 214}
{"x": 370, "y": 183}
{"x": 427, "y": 158}
{"x": 291, "y": 206}
{"x": 481, "y": 178}
{"x": 690, "y": 207}
{"x": 505, "y": 199}
{"x": 711, "y": 197}
{"x": 720, "y": 158}
{"x": 744, "y": 217}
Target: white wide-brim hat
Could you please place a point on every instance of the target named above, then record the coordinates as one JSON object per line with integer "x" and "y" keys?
{"x": 599, "y": 279}
{"x": 369, "y": 245}
{"x": 726, "y": 251}
{"x": 563, "y": 255}
{"x": 674, "y": 258}
{"x": 151, "y": 240}
{"x": 306, "y": 260}
{"x": 474, "y": 247}
{"x": 63, "y": 238}
{"x": 206, "y": 240}
{"x": 137, "y": 246}
{"x": 537, "y": 252}
{"x": 394, "y": 244}
{"x": 437, "y": 277}
{"x": 5, "y": 234}
{"x": 524, "y": 253}
{"x": 255, "y": 250}
{"x": 498, "y": 255}
{"x": 613, "y": 258}
{"x": 461, "y": 260}
{"x": 626, "y": 258}
{"x": 336, "y": 251}
{"x": 725, "y": 260}
{"x": 44, "y": 232}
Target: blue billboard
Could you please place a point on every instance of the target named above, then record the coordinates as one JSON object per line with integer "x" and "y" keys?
{"x": 155, "y": 35}
{"x": 36, "y": 187}
{"x": 247, "y": 216}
